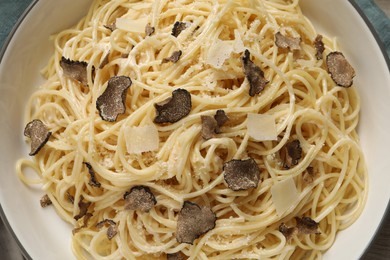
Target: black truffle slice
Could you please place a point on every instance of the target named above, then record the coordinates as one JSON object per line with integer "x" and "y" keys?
{"x": 209, "y": 127}
{"x": 286, "y": 42}
{"x": 319, "y": 45}
{"x": 340, "y": 70}
{"x": 221, "y": 118}
{"x": 76, "y": 70}
{"x": 176, "y": 256}
{"x": 173, "y": 58}
{"x": 85, "y": 223}
{"x": 306, "y": 225}
{"x": 149, "y": 30}
{"x": 193, "y": 221}
{"x": 105, "y": 61}
{"x": 291, "y": 153}
{"x": 178, "y": 27}
{"x": 174, "y": 108}
{"x": 38, "y": 133}
{"x": 288, "y": 232}
{"x": 140, "y": 198}
{"x": 241, "y": 174}
{"x": 112, "y": 227}
{"x": 45, "y": 201}
{"x": 92, "y": 181}
{"x": 254, "y": 75}
{"x": 110, "y": 27}
{"x": 112, "y": 102}
{"x": 83, "y": 208}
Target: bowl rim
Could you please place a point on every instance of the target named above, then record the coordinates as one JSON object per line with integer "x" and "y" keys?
{"x": 354, "y": 4}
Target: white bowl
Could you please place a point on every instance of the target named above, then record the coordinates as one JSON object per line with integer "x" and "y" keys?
{"x": 43, "y": 235}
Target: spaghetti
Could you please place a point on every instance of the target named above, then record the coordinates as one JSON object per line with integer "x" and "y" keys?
{"x": 88, "y": 166}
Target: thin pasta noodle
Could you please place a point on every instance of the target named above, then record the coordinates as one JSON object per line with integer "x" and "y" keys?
{"x": 301, "y": 96}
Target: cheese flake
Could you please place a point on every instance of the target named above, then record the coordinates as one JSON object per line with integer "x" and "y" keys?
{"x": 218, "y": 53}
{"x": 141, "y": 139}
{"x": 284, "y": 195}
{"x": 261, "y": 127}
{"x": 130, "y": 25}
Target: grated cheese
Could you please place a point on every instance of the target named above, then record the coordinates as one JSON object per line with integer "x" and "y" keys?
{"x": 129, "y": 25}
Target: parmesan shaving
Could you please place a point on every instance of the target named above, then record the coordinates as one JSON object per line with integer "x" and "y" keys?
{"x": 129, "y": 25}
{"x": 261, "y": 127}
{"x": 284, "y": 195}
{"x": 218, "y": 53}
{"x": 238, "y": 44}
{"x": 141, "y": 139}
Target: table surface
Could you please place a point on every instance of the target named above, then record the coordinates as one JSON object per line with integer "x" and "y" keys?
{"x": 378, "y": 250}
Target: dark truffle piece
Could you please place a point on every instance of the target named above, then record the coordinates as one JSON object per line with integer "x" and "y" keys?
{"x": 254, "y": 74}
{"x": 45, "y": 201}
{"x": 83, "y": 208}
{"x": 178, "y": 27}
{"x": 306, "y": 225}
{"x": 241, "y": 174}
{"x": 38, "y": 133}
{"x": 112, "y": 227}
{"x": 70, "y": 197}
{"x": 288, "y": 232}
{"x": 173, "y": 58}
{"x": 209, "y": 127}
{"x": 308, "y": 175}
{"x": 140, "y": 198}
{"x": 176, "y": 256}
{"x": 319, "y": 45}
{"x": 149, "y": 30}
{"x": 105, "y": 61}
{"x": 340, "y": 70}
{"x": 85, "y": 223}
{"x": 112, "y": 102}
{"x": 291, "y": 153}
{"x": 92, "y": 181}
{"x": 221, "y": 118}
{"x": 174, "y": 108}
{"x": 193, "y": 221}
{"x": 76, "y": 70}
{"x": 286, "y": 42}
{"x": 111, "y": 27}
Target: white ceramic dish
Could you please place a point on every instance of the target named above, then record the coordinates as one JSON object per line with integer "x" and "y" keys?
{"x": 43, "y": 235}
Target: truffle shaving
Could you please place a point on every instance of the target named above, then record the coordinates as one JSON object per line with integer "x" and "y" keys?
{"x": 241, "y": 174}
{"x": 286, "y": 42}
{"x": 319, "y": 45}
{"x": 85, "y": 223}
{"x": 178, "y": 27}
{"x": 111, "y": 27}
{"x": 140, "y": 198}
{"x": 149, "y": 30}
{"x": 340, "y": 70}
{"x": 193, "y": 221}
{"x": 291, "y": 153}
{"x": 288, "y": 232}
{"x": 176, "y": 256}
{"x": 221, "y": 119}
{"x": 173, "y": 58}
{"x": 254, "y": 74}
{"x": 76, "y": 70}
{"x": 105, "y": 61}
{"x": 112, "y": 102}
{"x": 174, "y": 108}
{"x": 92, "y": 181}
{"x": 38, "y": 133}
{"x": 112, "y": 227}
{"x": 209, "y": 127}
{"x": 83, "y": 208}
{"x": 306, "y": 225}
{"x": 45, "y": 201}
